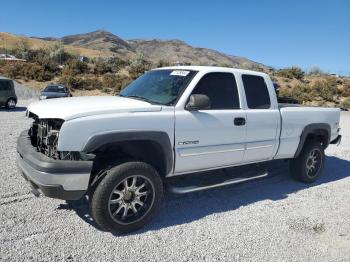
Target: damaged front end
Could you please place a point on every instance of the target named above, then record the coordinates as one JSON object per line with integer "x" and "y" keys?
{"x": 46, "y": 168}
{"x": 44, "y": 134}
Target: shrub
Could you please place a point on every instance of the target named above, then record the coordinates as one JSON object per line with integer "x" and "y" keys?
{"x": 73, "y": 82}
{"x": 78, "y": 82}
{"x": 326, "y": 89}
{"x": 11, "y": 70}
{"x": 293, "y": 72}
{"x": 138, "y": 66}
{"x": 102, "y": 67}
{"x": 115, "y": 83}
{"x": 62, "y": 57}
{"x": 116, "y": 63}
{"x": 346, "y": 89}
{"x": 164, "y": 63}
{"x": 110, "y": 65}
{"x": 301, "y": 93}
{"x": 36, "y": 72}
{"x": 92, "y": 83}
{"x": 75, "y": 67}
{"x": 346, "y": 103}
{"x": 50, "y": 66}
{"x": 37, "y": 56}
{"x": 28, "y": 71}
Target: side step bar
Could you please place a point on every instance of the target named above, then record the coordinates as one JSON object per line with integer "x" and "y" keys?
{"x": 188, "y": 189}
{"x": 196, "y": 182}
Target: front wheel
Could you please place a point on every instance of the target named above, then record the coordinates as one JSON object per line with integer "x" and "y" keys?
{"x": 308, "y": 166}
{"x": 127, "y": 197}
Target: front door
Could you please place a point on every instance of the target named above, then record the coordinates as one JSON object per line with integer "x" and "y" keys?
{"x": 214, "y": 137}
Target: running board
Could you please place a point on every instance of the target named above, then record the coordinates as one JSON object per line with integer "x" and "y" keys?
{"x": 213, "y": 179}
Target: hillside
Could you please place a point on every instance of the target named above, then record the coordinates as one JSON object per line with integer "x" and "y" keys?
{"x": 10, "y": 41}
{"x": 176, "y": 50}
{"x": 170, "y": 51}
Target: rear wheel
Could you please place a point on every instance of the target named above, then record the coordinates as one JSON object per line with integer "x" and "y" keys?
{"x": 11, "y": 103}
{"x": 308, "y": 166}
{"x": 127, "y": 197}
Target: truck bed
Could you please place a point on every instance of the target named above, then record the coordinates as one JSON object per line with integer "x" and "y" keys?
{"x": 295, "y": 118}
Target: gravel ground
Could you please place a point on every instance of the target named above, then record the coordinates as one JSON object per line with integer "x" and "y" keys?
{"x": 274, "y": 219}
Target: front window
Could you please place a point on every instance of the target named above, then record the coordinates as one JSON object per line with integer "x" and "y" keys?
{"x": 163, "y": 86}
{"x": 221, "y": 89}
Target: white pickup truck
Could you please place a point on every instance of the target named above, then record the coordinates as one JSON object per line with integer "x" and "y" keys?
{"x": 171, "y": 122}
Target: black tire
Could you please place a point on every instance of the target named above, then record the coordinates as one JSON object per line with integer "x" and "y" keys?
{"x": 11, "y": 103}
{"x": 301, "y": 167}
{"x": 105, "y": 204}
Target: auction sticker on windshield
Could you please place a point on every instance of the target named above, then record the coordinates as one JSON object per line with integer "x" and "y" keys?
{"x": 179, "y": 73}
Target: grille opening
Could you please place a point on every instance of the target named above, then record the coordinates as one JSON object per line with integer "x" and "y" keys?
{"x": 44, "y": 134}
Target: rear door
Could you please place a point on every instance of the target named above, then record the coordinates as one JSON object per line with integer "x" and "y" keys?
{"x": 263, "y": 118}
{"x": 214, "y": 137}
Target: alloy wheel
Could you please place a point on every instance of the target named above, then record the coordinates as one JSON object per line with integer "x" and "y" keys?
{"x": 131, "y": 199}
{"x": 313, "y": 162}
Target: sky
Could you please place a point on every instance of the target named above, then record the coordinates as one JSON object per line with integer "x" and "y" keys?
{"x": 276, "y": 33}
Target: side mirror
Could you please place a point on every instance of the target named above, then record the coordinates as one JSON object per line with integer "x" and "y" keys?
{"x": 198, "y": 102}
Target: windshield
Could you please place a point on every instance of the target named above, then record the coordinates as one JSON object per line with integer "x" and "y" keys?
{"x": 56, "y": 89}
{"x": 159, "y": 86}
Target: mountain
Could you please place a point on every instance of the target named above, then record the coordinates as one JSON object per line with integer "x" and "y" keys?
{"x": 170, "y": 51}
{"x": 100, "y": 40}
{"x": 176, "y": 50}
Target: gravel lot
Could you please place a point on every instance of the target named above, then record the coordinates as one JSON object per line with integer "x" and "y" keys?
{"x": 274, "y": 219}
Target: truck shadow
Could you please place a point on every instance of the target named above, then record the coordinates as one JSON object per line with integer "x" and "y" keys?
{"x": 182, "y": 209}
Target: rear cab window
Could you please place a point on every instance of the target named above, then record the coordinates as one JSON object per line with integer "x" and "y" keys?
{"x": 221, "y": 88}
{"x": 256, "y": 92}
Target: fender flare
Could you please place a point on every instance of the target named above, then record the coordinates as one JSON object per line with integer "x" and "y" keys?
{"x": 316, "y": 128}
{"x": 161, "y": 138}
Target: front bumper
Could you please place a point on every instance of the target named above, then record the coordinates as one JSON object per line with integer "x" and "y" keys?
{"x": 62, "y": 179}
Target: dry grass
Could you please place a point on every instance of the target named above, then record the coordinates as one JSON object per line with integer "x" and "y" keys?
{"x": 10, "y": 41}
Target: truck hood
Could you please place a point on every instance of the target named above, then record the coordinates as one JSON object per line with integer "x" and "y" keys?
{"x": 74, "y": 107}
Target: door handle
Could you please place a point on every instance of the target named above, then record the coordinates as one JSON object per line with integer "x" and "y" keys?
{"x": 239, "y": 121}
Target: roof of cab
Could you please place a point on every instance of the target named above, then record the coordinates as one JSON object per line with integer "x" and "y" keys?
{"x": 212, "y": 69}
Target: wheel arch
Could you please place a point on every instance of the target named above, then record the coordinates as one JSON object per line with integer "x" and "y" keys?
{"x": 318, "y": 131}
{"x": 151, "y": 147}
